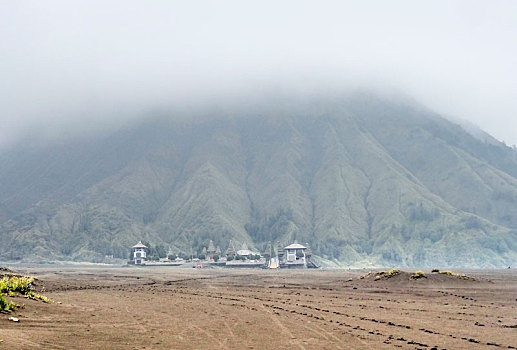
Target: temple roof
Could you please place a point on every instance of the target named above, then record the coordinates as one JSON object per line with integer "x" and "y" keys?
{"x": 231, "y": 248}
{"x": 139, "y": 245}
{"x": 295, "y": 246}
{"x": 268, "y": 249}
{"x": 244, "y": 252}
{"x": 279, "y": 249}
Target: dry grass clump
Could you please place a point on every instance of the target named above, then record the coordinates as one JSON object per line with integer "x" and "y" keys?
{"x": 457, "y": 275}
{"x": 385, "y": 274}
{"x": 418, "y": 275}
{"x": 365, "y": 276}
{"x": 393, "y": 272}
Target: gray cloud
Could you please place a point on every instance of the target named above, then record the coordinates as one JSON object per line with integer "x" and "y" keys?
{"x": 94, "y": 61}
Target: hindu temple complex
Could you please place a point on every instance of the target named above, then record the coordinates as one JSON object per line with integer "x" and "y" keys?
{"x": 294, "y": 255}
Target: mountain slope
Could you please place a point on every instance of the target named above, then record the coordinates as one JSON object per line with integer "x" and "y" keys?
{"x": 361, "y": 179}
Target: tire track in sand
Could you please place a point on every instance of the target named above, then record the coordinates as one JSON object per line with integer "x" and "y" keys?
{"x": 284, "y": 329}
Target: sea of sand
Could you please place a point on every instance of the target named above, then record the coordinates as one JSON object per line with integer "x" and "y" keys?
{"x": 103, "y": 307}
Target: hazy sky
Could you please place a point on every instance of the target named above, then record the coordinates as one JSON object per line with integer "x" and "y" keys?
{"x": 89, "y": 60}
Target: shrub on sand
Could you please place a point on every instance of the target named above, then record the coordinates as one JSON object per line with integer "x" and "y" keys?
{"x": 11, "y": 285}
{"x": 393, "y": 272}
{"x": 6, "y": 305}
{"x": 418, "y": 274}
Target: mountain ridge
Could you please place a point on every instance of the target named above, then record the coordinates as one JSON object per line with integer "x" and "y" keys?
{"x": 359, "y": 179}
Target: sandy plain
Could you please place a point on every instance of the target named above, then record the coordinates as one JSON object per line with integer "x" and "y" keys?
{"x": 184, "y": 308}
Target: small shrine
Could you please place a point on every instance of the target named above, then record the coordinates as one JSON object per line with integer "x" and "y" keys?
{"x": 139, "y": 253}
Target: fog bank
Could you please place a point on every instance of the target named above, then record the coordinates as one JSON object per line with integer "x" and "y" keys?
{"x": 91, "y": 64}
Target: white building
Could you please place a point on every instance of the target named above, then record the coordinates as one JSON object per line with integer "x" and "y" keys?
{"x": 295, "y": 254}
{"x": 139, "y": 253}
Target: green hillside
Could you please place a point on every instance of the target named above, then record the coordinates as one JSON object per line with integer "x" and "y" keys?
{"x": 360, "y": 179}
